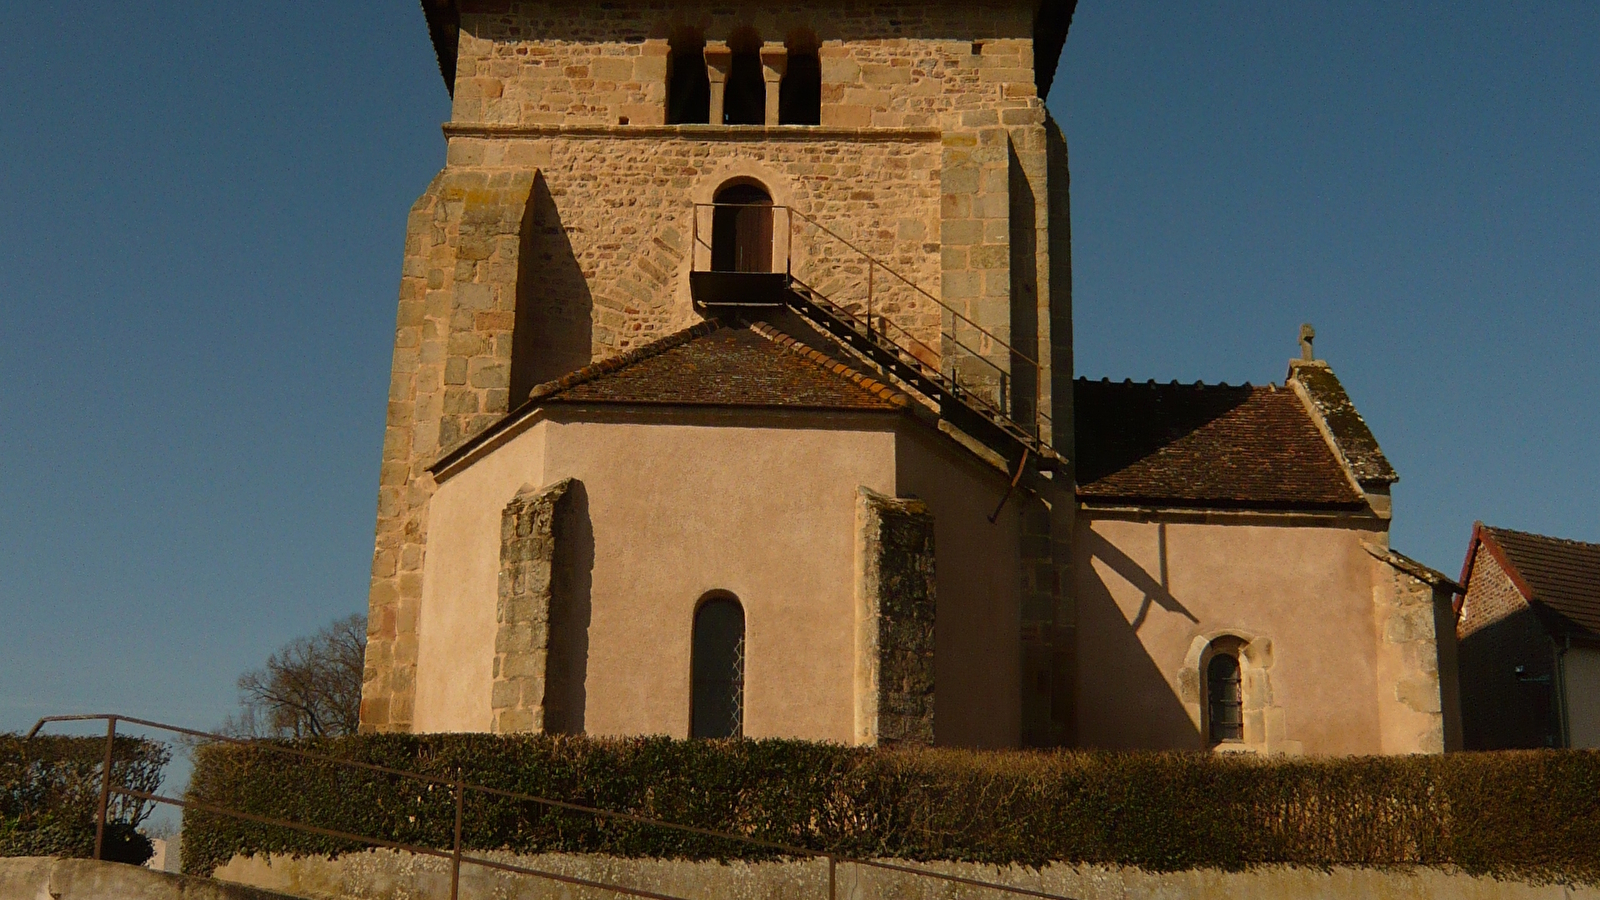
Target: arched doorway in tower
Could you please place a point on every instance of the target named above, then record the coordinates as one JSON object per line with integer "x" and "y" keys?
{"x": 741, "y": 229}
{"x": 716, "y": 702}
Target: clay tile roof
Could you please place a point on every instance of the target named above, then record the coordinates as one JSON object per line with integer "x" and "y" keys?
{"x": 717, "y": 365}
{"x": 1564, "y": 575}
{"x": 1206, "y": 446}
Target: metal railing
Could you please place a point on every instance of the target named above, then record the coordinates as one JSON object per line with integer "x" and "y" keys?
{"x": 884, "y": 291}
{"x": 461, "y": 788}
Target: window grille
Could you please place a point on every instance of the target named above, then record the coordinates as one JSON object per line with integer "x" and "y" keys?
{"x": 1225, "y": 695}
{"x": 716, "y": 706}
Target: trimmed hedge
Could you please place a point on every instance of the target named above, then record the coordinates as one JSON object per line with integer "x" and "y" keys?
{"x": 1520, "y": 814}
{"x": 50, "y": 793}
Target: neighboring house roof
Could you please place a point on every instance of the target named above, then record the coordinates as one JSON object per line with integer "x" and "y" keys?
{"x": 710, "y": 364}
{"x": 1558, "y": 577}
{"x": 1204, "y": 446}
{"x": 1050, "y": 24}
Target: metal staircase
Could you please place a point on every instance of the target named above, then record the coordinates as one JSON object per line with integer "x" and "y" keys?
{"x": 965, "y": 409}
{"x": 890, "y": 348}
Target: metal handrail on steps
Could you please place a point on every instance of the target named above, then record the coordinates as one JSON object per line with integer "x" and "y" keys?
{"x": 460, "y": 787}
{"x": 880, "y": 326}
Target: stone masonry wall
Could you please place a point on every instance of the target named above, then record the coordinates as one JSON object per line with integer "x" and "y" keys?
{"x": 887, "y": 65}
{"x": 528, "y": 536}
{"x": 450, "y": 379}
{"x": 391, "y": 875}
{"x": 1410, "y": 701}
{"x": 625, "y": 201}
{"x": 966, "y": 70}
{"x": 895, "y": 612}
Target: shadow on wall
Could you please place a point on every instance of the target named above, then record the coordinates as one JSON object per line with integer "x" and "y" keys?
{"x": 567, "y": 666}
{"x": 552, "y": 334}
{"x": 1024, "y": 293}
{"x": 1125, "y": 702}
{"x": 1501, "y": 708}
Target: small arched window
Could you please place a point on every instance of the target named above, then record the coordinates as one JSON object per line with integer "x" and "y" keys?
{"x": 741, "y": 229}
{"x": 688, "y": 85}
{"x": 1225, "y": 698}
{"x": 744, "y": 98}
{"x": 716, "y": 704}
{"x": 800, "y": 92}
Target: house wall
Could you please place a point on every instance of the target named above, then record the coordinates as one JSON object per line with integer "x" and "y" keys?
{"x": 1498, "y": 631}
{"x": 1581, "y": 675}
{"x": 1151, "y": 592}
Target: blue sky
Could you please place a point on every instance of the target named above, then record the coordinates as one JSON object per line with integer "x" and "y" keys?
{"x": 201, "y": 222}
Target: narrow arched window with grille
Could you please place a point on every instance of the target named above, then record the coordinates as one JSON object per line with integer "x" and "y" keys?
{"x": 716, "y": 703}
{"x": 1225, "y": 698}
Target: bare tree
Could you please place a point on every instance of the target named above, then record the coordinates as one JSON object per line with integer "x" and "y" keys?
{"x": 311, "y": 687}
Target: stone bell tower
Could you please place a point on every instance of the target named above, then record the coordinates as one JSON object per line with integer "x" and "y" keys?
{"x": 885, "y": 174}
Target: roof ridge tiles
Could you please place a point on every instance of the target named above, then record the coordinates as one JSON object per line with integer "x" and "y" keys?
{"x": 1543, "y": 537}
{"x": 828, "y": 363}
{"x": 1198, "y": 383}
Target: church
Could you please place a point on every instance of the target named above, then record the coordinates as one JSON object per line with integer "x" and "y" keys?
{"x": 733, "y": 396}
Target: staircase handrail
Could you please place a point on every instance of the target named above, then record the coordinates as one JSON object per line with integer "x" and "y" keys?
{"x": 916, "y": 287}
{"x": 887, "y": 323}
{"x": 1040, "y": 417}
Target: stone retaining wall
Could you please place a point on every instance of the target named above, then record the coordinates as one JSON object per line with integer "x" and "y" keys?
{"x": 386, "y": 875}
{"x": 44, "y": 878}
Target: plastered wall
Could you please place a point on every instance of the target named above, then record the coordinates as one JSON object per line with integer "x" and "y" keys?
{"x": 977, "y": 650}
{"x": 677, "y": 509}
{"x": 679, "y": 506}
{"x": 1150, "y": 591}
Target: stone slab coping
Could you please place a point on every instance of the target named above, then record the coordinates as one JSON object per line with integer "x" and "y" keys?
{"x": 31, "y": 877}
{"x": 803, "y": 133}
{"x": 390, "y": 875}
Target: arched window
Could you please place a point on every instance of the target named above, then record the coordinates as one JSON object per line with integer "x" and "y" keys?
{"x": 741, "y": 229}
{"x": 716, "y": 704}
{"x": 688, "y": 85}
{"x": 744, "y": 98}
{"x": 800, "y": 92}
{"x": 1225, "y": 698}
